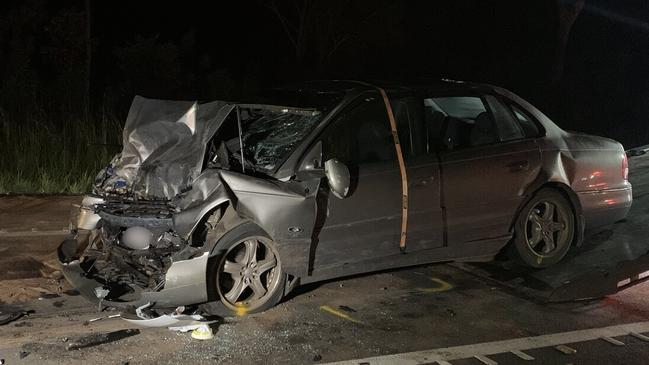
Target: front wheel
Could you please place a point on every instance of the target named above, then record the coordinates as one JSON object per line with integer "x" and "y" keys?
{"x": 544, "y": 230}
{"x": 247, "y": 277}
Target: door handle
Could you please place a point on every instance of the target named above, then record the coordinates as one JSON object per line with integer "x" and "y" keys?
{"x": 518, "y": 165}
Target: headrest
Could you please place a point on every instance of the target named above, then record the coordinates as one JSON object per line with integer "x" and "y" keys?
{"x": 484, "y": 123}
{"x": 434, "y": 116}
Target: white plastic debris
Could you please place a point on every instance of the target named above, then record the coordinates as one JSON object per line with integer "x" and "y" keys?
{"x": 204, "y": 332}
{"x": 175, "y": 321}
{"x": 100, "y": 292}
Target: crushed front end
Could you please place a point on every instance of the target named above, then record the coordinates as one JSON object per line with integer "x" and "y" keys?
{"x": 141, "y": 237}
{"x": 123, "y": 252}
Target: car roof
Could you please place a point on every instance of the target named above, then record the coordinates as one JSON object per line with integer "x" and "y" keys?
{"x": 423, "y": 85}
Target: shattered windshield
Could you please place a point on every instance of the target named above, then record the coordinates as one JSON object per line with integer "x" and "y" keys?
{"x": 268, "y": 135}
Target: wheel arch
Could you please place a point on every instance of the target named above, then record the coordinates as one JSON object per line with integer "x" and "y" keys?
{"x": 233, "y": 225}
{"x": 572, "y": 198}
{"x": 219, "y": 224}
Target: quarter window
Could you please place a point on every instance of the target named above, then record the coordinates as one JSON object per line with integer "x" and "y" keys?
{"x": 508, "y": 129}
{"x": 526, "y": 122}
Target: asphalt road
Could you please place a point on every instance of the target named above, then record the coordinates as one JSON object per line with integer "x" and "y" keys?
{"x": 388, "y": 313}
{"x": 447, "y": 313}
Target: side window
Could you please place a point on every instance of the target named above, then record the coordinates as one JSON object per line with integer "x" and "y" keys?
{"x": 360, "y": 135}
{"x": 508, "y": 128}
{"x": 454, "y": 122}
{"x": 530, "y": 128}
{"x": 408, "y": 113}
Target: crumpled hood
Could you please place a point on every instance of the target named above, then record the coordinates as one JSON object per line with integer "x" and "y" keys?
{"x": 164, "y": 144}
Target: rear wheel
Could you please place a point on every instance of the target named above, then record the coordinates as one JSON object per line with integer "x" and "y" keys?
{"x": 247, "y": 277}
{"x": 544, "y": 230}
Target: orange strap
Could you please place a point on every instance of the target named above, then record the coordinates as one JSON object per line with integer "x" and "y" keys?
{"x": 402, "y": 168}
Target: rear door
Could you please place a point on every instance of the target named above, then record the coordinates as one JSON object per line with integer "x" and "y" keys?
{"x": 487, "y": 161}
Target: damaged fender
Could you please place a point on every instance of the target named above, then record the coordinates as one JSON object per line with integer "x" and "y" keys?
{"x": 286, "y": 211}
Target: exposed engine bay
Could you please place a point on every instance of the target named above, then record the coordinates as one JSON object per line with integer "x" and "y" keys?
{"x": 132, "y": 247}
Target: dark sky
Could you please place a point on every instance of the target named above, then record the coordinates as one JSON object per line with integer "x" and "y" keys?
{"x": 190, "y": 50}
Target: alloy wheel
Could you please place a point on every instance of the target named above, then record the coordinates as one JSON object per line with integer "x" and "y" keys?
{"x": 249, "y": 273}
{"x": 547, "y": 228}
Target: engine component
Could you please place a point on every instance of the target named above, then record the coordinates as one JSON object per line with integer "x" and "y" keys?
{"x": 137, "y": 238}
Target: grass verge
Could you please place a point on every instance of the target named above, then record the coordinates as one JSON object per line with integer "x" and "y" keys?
{"x": 39, "y": 157}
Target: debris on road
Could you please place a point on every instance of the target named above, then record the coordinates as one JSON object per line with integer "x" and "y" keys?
{"x": 96, "y": 339}
{"x": 10, "y": 314}
{"x": 23, "y": 354}
{"x": 100, "y": 318}
{"x": 175, "y": 321}
{"x": 59, "y": 304}
{"x": 46, "y": 295}
{"x": 203, "y": 332}
{"x": 338, "y": 313}
{"x": 347, "y": 309}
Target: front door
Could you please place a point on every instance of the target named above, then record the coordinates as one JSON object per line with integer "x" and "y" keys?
{"x": 367, "y": 224}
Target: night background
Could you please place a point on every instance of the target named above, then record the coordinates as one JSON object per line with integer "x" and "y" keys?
{"x": 69, "y": 69}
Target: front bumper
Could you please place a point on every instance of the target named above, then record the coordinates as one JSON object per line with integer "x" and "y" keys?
{"x": 185, "y": 280}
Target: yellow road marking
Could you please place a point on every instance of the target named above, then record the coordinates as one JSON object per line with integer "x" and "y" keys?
{"x": 338, "y": 313}
{"x": 443, "y": 286}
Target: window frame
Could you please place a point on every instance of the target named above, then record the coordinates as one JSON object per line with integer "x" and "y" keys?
{"x": 349, "y": 106}
{"x": 504, "y": 101}
{"x": 508, "y": 118}
{"x": 464, "y": 93}
{"x": 411, "y": 127}
{"x": 508, "y": 103}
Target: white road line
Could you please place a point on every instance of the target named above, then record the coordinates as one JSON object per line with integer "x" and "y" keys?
{"x": 640, "y": 336}
{"x": 497, "y": 347}
{"x": 485, "y": 360}
{"x": 565, "y": 349}
{"x": 522, "y": 355}
{"x": 613, "y": 341}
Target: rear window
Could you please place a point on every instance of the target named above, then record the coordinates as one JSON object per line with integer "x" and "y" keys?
{"x": 465, "y": 107}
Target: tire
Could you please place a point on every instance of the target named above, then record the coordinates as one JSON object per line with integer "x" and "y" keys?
{"x": 234, "y": 267}
{"x": 544, "y": 230}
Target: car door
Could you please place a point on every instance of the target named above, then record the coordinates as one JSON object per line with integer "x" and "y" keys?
{"x": 367, "y": 224}
{"x": 425, "y": 223}
{"x": 487, "y": 161}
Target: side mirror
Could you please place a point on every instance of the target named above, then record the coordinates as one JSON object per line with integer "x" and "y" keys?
{"x": 338, "y": 176}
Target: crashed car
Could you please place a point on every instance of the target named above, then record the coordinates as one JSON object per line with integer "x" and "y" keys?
{"x": 233, "y": 205}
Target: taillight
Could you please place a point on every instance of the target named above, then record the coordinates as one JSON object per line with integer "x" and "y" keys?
{"x": 625, "y": 166}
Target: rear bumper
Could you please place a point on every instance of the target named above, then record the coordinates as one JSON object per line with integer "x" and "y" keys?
{"x": 605, "y": 206}
{"x": 185, "y": 280}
